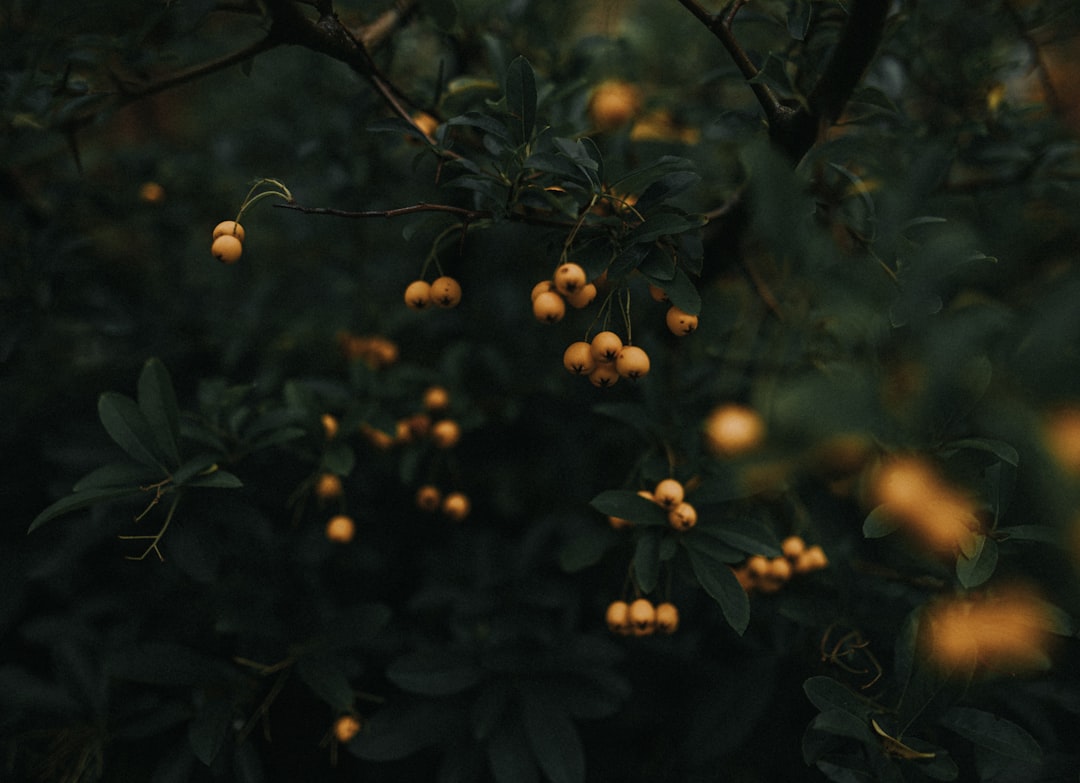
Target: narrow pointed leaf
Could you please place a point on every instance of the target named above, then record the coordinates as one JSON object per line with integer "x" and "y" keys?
{"x": 128, "y": 427}
{"x": 521, "y": 98}
{"x": 118, "y": 474}
{"x": 157, "y": 401}
{"x": 88, "y": 497}
{"x": 554, "y": 738}
{"x": 718, "y": 580}
{"x": 994, "y": 733}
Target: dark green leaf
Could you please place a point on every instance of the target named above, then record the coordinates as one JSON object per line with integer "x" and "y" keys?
{"x": 325, "y": 675}
{"x": 1003, "y": 451}
{"x": 1037, "y": 533}
{"x": 647, "y": 559}
{"x": 879, "y": 524}
{"x": 434, "y": 673}
{"x": 116, "y": 475}
{"x": 682, "y": 293}
{"x": 662, "y": 224}
{"x": 994, "y": 733}
{"x": 157, "y": 401}
{"x": 88, "y": 497}
{"x": 718, "y": 580}
{"x": 128, "y": 427}
{"x": 717, "y": 489}
{"x": 973, "y": 571}
{"x": 402, "y": 728}
{"x": 798, "y": 19}
{"x": 483, "y": 122}
{"x": 826, "y": 694}
{"x": 628, "y": 505}
{"x": 553, "y": 737}
{"x": 701, "y": 538}
{"x": 745, "y": 534}
{"x": 488, "y": 709}
{"x": 640, "y": 179}
{"x": 668, "y": 186}
{"x": 339, "y": 458}
{"x": 442, "y": 12}
{"x": 586, "y": 547}
{"x": 193, "y": 467}
{"x": 207, "y": 730}
{"x": 521, "y": 98}
{"x": 844, "y": 724}
{"x": 509, "y": 756}
{"x": 219, "y": 479}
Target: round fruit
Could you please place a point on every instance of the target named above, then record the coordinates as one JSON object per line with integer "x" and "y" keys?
{"x": 418, "y": 294}
{"x": 642, "y": 617}
{"x": 779, "y": 569}
{"x": 436, "y": 398}
{"x": 632, "y": 362}
{"x": 614, "y": 103}
{"x": 811, "y": 559}
{"x": 329, "y": 425}
{"x": 583, "y": 297}
{"x": 606, "y": 346}
{"x": 792, "y": 547}
{"x": 679, "y": 322}
{"x": 425, "y": 123}
{"x": 757, "y": 566}
{"x": 578, "y": 358}
{"x": 346, "y": 727}
{"x": 683, "y": 516}
{"x": 456, "y": 505}
{"x": 328, "y": 486}
{"x": 657, "y": 293}
{"x": 548, "y": 307}
{"x": 446, "y": 433}
{"x": 618, "y": 523}
{"x": 542, "y": 287}
{"x": 227, "y": 249}
{"x": 428, "y": 498}
{"x": 733, "y": 429}
{"x": 152, "y": 192}
{"x": 667, "y": 618}
{"x": 568, "y": 278}
{"x": 669, "y": 493}
{"x": 604, "y": 376}
{"x": 618, "y": 617}
{"x": 445, "y": 291}
{"x": 341, "y": 529}
{"x": 230, "y": 227}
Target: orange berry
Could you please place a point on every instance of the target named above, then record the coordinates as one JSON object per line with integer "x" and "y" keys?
{"x": 604, "y": 376}
{"x": 757, "y": 566}
{"x": 657, "y": 293}
{"x": 642, "y": 617}
{"x": 456, "y": 505}
{"x": 733, "y": 429}
{"x": 606, "y": 346}
{"x": 446, "y": 433}
{"x": 632, "y": 362}
{"x": 617, "y": 617}
{"x": 578, "y": 358}
{"x": 341, "y": 529}
{"x": 542, "y": 287}
{"x": 614, "y": 103}
{"x": 426, "y": 123}
{"x": 680, "y": 322}
{"x": 667, "y": 618}
{"x": 418, "y": 295}
{"x": 328, "y": 486}
{"x": 548, "y": 307}
{"x": 346, "y": 727}
{"x": 376, "y": 437}
{"x": 428, "y": 498}
{"x": 618, "y": 523}
{"x": 230, "y": 227}
{"x": 436, "y": 398}
{"x": 152, "y": 192}
{"x": 792, "y": 547}
{"x": 445, "y": 291}
{"x": 227, "y": 249}
{"x": 582, "y": 297}
{"x": 811, "y": 559}
{"x": 669, "y": 493}
{"x": 329, "y": 425}
{"x": 568, "y": 278}
{"x": 683, "y": 516}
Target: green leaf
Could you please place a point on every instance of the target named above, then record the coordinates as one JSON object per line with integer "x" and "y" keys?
{"x": 976, "y": 569}
{"x": 662, "y": 224}
{"x": 484, "y": 122}
{"x": 647, "y": 559}
{"x": 701, "y": 537}
{"x": 434, "y": 672}
{"x": 1000, "y": 449}
{"x": 879, "y": 524}
{"x": 207, "y": 730}
{"x": 488, "y": 709}
{"x": 827, "y": 694}
{"x": 193, "y": 467}
{"x": 1036, "y": 533}
{"x": 682, "y": 293}
{"x": 402, "y": 728}
{"x": 747, "y": 535}
{"x": 624, "y": 504}
{"x": 325, "y": 676}
{"x": 509, "y": 756}
{"x": 339, "y": 458}
{"x": 718, "y": 580}
{"x": 844, "y": 724}
{"x": 88, "y": 497}
{"x": 157, "y": 401}
{"x": 219, "y": 479}
{"x": 521, "y": 98}
{"x": 116, "y": 475}
{"x": 586, "y": 547}
{"x": 128, "y": 427}
{"x": 994, "y": 733}
{"x": 640, "y": 179}
{"x": 553, "y": 737}
{"x": 798, "y": 19}
{"x": 442, "y": 12}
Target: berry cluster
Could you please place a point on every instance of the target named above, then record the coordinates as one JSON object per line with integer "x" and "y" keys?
{"x": 670, "y": 495}
{"x": 769, "y": 574}
{"x": 641, "y": 618}
{"x": 228, "y": 241}
{"x": 568, "y": 285}
{"x": 443, "y": 291}
{"x": 374, "y": 350}
{"x": 453, "y": 505}
{"x": 605, "y": 359}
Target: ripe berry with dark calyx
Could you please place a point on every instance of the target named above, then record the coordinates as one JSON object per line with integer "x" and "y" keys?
{"x": 445, "y": 291}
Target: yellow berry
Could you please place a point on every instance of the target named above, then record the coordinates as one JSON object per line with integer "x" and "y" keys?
{"x": 578, "y": 358}
{"x": 341, "y": 529}
{"x": 428, "y": 498}
{"x": 618, "y": 617}
{"x": 669, "y": 493}
{"x": 446, "y": 291}
{"x": 446, "y": 433}
{"x": 230, "y": 227}
{"x": 568, "y": 278}
{"x": 418, "y": 295}
{"x": 642, "y": 617}
{"x": 632, "y": 362}
{"x": 667, "y": 618}
{"x": 606, "y": 346}
{"x": 683, "y": 516}
{"x": 227, "y": 249}
{"x": 548, "y": 307}
{"x": 680, "y": 322}
{"x": 456, "y": 505}
{"x": 346, "y": 727}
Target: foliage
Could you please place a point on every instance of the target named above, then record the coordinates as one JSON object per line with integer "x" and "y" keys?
{"x": 869, "y": 207}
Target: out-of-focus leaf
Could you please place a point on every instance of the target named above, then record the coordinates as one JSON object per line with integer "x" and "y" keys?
{"x": 879, "y": 523}
{"x": 975, "y": 570}
{"x": 994, "y": 733}
{"x": 586, "y": 547}
{"x": 325, "y": 676}
{"x": 434, "y": 673}
{"x": 207, "y": 730}
{"x": 826, "y": 694}
{"x": 553, "y": 737}
{"x": 647, "y": 559}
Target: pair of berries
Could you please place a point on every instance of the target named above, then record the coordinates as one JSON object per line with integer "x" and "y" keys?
{"x": 374, "y": 350}
{"x": 454, "y": 505}
{"x": 228, "y": 242}
{"x": 443, "y": 292}
{"x": 605, "y": 359}
{"x": 769, "y": 574}
{"x": 670, "y": 495}
{"x": 569, "y": 284}
{"x": 641, "y": 618}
